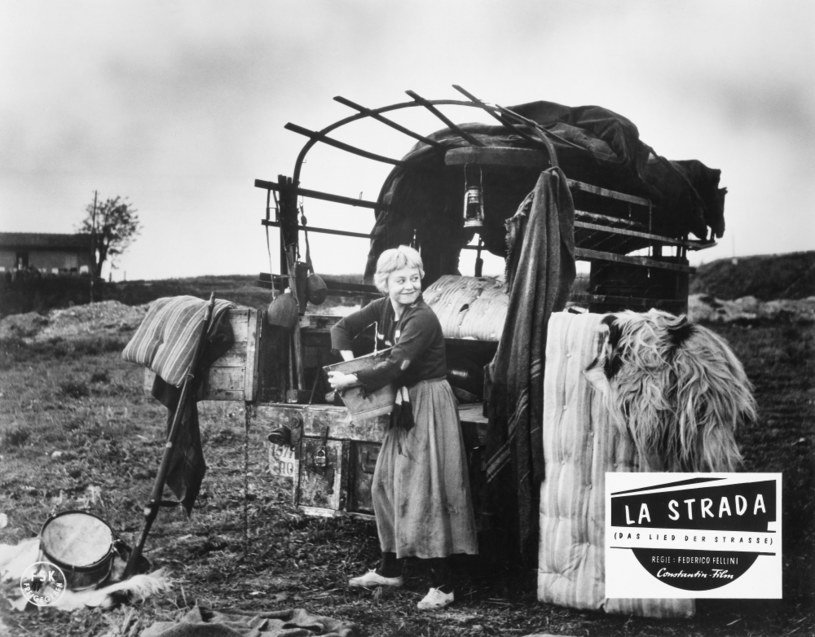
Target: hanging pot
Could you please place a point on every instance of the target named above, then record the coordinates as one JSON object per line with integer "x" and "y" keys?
{"x": 282, "y": 311}
{"x": 316, "y": 288}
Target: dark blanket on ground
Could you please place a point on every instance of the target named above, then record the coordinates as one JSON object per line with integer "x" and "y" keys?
{"x": 295, "y": 622}
{"x": 540, "y": 273}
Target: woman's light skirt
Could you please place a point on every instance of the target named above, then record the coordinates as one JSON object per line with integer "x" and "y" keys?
{"x": 421, "y": 487}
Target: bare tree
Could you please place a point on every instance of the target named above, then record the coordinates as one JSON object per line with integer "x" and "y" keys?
{"x": 113, "y": 225}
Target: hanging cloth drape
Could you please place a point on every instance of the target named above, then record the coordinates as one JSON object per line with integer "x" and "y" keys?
{"x": 540, "y": 273}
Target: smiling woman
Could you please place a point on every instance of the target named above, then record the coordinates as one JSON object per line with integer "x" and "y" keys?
{"x": 420, "y": 489}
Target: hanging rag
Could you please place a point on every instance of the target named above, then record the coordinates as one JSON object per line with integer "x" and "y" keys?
{"x": 402, "y": 414}
{"x": 540, "y": 273}
{"x": 165, "y": 343}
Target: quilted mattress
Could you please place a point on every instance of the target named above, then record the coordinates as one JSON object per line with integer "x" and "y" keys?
{"x": 580, "y": 445}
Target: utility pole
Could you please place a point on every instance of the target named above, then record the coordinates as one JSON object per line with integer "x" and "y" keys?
{"x": 93, "y": 244}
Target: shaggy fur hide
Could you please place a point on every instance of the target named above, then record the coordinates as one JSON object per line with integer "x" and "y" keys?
{"x": 14, "y": 559}
{"x": 676, "y": 387}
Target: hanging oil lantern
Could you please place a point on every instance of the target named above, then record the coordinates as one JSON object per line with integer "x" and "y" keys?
{"x": 473, "y": 200}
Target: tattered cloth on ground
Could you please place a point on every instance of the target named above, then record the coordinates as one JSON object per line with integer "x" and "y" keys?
{"x": 295, "y": 622}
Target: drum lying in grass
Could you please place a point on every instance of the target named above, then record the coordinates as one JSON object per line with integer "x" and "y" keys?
{"x": 81, "y": 544}
{"x": 359, "y": 403}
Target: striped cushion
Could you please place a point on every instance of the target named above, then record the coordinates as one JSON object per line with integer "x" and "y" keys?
{"x": 166, "y": 339}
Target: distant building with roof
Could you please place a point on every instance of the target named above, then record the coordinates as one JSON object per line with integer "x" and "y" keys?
{"x": 45, "y": 252}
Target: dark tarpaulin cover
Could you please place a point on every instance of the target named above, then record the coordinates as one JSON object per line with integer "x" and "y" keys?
{"x": 593, "y": 144}
{"x": 540, "y": 272}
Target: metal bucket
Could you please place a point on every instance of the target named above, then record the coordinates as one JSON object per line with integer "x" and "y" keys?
{"x": 81, "y": 544}
{"x": 359, "y": 403}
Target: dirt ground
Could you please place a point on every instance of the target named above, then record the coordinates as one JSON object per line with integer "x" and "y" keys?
{"x": 78, "y": 432}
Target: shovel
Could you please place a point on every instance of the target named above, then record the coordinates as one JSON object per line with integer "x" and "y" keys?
{"x": 151, "y": 509}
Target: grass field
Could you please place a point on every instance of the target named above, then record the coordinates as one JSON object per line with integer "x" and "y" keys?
{"x": 246, "y": 547}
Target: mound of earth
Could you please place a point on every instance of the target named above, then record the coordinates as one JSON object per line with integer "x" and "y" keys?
{"x": 704, "y": 308}
{"x": 115, "y": 318}
{"x": 92, "y": 320}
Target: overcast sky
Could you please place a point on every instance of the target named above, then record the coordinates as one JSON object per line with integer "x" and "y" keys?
{"x": 179, "y": 105}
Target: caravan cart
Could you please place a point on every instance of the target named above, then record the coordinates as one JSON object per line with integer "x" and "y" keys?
{"x": 635, "y": 217}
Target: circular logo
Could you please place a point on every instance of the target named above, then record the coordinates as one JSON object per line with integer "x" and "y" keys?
{"x": 42, "y": 583}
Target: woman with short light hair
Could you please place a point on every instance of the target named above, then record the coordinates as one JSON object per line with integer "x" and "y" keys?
{"x": 420, "y": 489}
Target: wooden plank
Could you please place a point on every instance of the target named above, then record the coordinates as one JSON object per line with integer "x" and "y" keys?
{"x": 388, "y": 122}
{"x": 610, "y": 194}
{"x": 584, "y": 215}
{"x": 250, "y": 387}
{"x": 318, "y": 230}
{"x": 647, "y": 262}
{"x": 320, "y": 137}
{"x": 495, "y": 156}
{"x": 631, "y": 233}
{"x": 447, "y": 121}
{"x": 224, "y": 395}
{"x": 633, "y": 301}
{"x": 231, "y": 379}
{"x": 316, "y": 194}
{"x": 315, "y": 418}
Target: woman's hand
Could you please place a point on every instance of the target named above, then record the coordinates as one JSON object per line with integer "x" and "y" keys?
{"x": 340, "y": 380}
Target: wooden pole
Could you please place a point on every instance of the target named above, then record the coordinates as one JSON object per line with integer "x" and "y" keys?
{"x": 93, "y": 243}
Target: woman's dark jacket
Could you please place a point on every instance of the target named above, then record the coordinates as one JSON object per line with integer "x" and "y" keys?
{"x": 416, "y": 340}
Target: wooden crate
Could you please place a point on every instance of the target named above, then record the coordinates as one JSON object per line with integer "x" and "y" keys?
{"x": 341, "y": 484}
{"x": 233, "y": 376}
{"x": 337, "y": 480}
